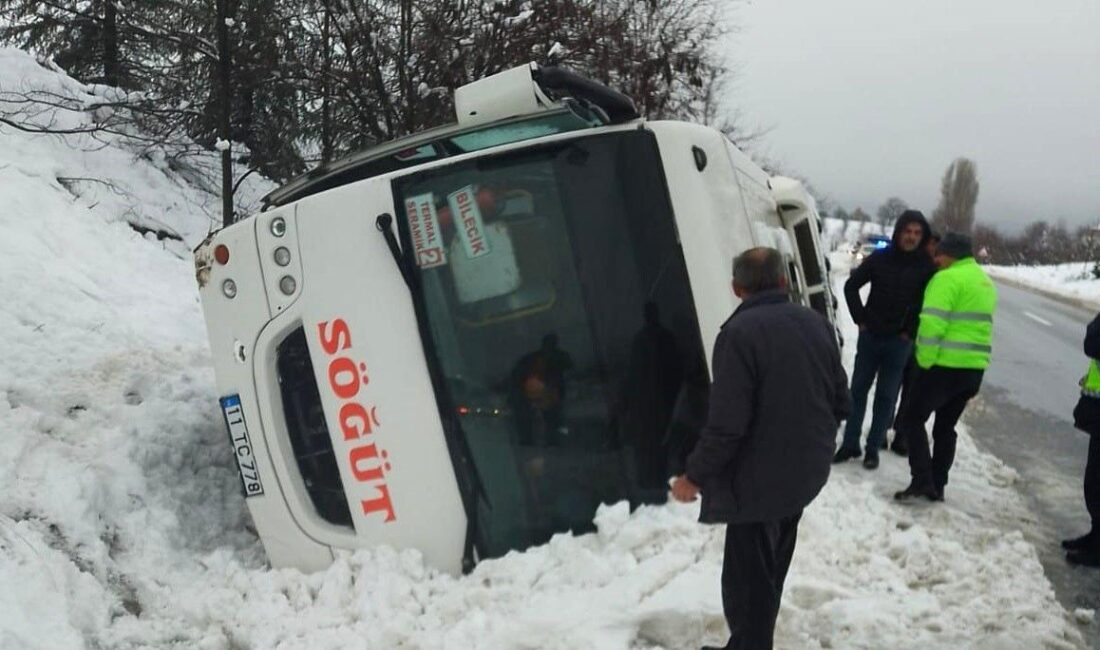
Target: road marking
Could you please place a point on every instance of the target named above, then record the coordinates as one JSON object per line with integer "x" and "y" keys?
{"x": 1035, "y": 318}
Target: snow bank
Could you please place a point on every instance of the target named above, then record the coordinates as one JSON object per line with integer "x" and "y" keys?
{"x": 1073, "y": 281}
{"x": 838, "y": 234}
{"x": 118, "y": 181}
{"x": 121, "y": 524}
{"x": 112, "y": 467}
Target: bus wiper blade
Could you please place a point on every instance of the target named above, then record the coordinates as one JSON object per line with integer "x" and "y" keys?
{"x": 470, "y": 484}
{"x": 384, "y": 223}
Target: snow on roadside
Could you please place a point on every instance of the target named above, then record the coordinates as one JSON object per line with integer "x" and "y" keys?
{"x": 121, "y": 524}
{"x": 839, "y": 235}
{"x": 129, "y": 183}
{"x": 112, "y": 467}
{"x": 1074, "y": 280}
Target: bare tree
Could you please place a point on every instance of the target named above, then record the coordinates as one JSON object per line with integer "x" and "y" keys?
{"x": 889, "y": 211}
{"x": 862, "y": 217}
{"x": 958, "y": 196}
{"x": 373, "y": 70}
{"x": 1039, "y": 243}
{"x": 286, "y": 83}
{"x": 994, "y": 243}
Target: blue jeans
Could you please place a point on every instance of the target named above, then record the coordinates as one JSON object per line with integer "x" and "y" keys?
{"x": 884, "y": 356}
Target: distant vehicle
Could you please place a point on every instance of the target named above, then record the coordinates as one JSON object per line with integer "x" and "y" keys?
{"x": 464, "y": 341}
{"x": 870, "y": 244}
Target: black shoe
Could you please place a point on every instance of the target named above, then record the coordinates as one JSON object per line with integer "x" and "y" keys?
{"x": 899, "y": 448}
{"x": 915, "y": 491}
{"x": 843, "y": 454}
{"x": 1086, "y": 541}
{"x": 870, "y": 461}
{"x": 1088, "y": 557}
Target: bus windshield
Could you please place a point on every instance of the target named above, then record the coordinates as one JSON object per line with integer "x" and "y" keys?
{"x": 554, "y": 293}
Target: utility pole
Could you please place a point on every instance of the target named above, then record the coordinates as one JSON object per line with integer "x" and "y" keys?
{"x": 112, "y": 75}
{"x": 224, "y": 101}
{"x": 326, "y": 74}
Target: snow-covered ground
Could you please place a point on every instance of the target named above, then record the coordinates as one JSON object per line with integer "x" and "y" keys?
{"x": 1073, "y": 281}
{"x": 121, "y": 523}
{"x": 839, "y": 235}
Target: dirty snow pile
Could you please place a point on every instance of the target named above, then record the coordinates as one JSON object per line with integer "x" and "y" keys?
{"x": 1074, "y": 280}
{"x": 121, "y": 523}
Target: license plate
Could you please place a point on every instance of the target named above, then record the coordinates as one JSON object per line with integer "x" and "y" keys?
{"x": 242, "y": 446}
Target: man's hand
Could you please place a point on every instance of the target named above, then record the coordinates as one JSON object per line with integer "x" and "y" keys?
{"x": 683, "y": 490}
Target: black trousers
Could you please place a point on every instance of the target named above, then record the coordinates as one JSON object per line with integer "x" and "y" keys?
{"x": 1092, "y": 483}
{"x": 753, "y": 570}
{"x": 945, "y": 392}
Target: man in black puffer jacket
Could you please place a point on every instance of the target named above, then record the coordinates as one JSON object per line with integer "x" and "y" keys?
{"x": 887, "y": 325}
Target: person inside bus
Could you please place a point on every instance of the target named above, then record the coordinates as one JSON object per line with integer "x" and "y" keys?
{"x": 537, "y": 388}
{"x": 653, "y": 378}
{"x": 689, "y": 413}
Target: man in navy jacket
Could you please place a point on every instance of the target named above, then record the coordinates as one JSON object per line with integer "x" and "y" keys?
{"x": 778, "y": 394}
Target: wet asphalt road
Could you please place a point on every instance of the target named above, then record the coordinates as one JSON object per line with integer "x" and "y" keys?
{"x": 1024, "y": 416}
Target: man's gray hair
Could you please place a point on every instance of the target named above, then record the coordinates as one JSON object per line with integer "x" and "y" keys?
{"x": 758, "y": 269}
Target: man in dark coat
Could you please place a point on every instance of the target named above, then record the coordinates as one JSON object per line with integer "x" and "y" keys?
{"x": 654, "y": 376}
{"x": 778, "y": 394}
{"x": 1085, "y": 550}
{"x": 900, "y": 446}
{"x": 887, "y": 325}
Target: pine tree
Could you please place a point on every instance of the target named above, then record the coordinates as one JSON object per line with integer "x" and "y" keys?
{"x": 82, "y": 37}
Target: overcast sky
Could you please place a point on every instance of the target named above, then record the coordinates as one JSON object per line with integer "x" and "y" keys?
{"x": 874, "y": 98}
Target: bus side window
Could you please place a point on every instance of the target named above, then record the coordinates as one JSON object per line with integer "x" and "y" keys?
{"x": 794, "y": 283}
{"x": 807, "y": 251}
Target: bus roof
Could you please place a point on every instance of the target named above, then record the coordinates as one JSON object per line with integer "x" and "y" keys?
{"x": 507, "y": 107}
{"x": 426, "y": 146}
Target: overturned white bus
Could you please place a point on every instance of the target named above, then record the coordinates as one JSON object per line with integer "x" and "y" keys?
{"x": 465, "y": 340}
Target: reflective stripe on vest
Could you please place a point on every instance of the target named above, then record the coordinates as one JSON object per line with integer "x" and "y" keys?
{"x": 955, "y": 345}
{"x": 1090, "y": 385}
{"x": 958, "y": 315}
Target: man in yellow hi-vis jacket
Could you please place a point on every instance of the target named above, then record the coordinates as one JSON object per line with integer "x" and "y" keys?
{"x": 954, "y": 343}
{"x": 1085, "y": 549}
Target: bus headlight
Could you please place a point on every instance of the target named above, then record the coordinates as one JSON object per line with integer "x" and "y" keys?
{"x": 288, "y": 285}
{"x": 229, "y": 289}
{"x": 278, "y": 226}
